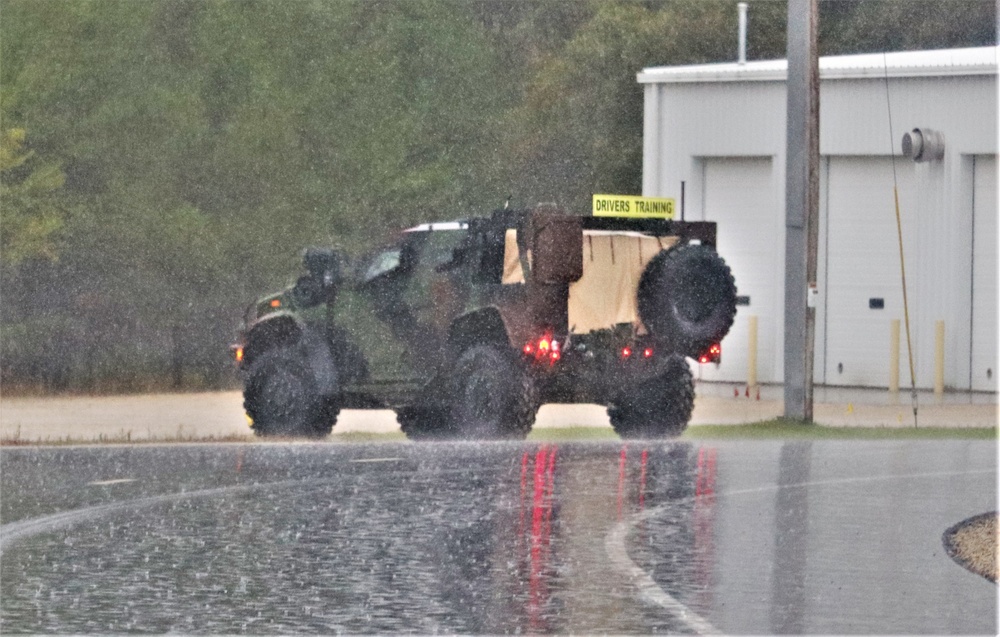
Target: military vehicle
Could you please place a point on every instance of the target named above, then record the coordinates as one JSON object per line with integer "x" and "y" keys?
{"x": 465, "y": 328}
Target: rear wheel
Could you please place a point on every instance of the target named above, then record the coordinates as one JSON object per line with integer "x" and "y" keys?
{"x": 424, "y": 423}
{"x": 658, "y": 408}
{"x": 281, "y": 399}
{"x": 492, "y": 395}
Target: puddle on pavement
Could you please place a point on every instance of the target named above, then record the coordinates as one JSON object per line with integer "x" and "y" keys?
{"x": 767, "y": 537}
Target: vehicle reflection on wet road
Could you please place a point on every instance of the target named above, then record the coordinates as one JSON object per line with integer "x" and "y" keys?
{"x": 738, "y": 537}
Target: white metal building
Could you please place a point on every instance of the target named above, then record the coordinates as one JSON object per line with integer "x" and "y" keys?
{"x": 720, "y": 129}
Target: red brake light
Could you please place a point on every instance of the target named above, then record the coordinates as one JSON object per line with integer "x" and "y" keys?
{"x": 647, "y": 353}
{"x": 626, "y": 352}
{"x": 546, "y": 349}
{"x": 713, "y": 355}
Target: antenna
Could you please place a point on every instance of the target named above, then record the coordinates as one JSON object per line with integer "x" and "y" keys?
{"x": 742, "y": 8}
{"x": 899, "y": 232}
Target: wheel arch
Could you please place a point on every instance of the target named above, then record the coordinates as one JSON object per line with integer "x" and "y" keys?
{"x": 275, "y": 330}
{"x": 285, "y": 330}
{"x": 484, "y": 326}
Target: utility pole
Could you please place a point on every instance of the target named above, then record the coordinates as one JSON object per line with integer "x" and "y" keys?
{"x": 801, "y": 208}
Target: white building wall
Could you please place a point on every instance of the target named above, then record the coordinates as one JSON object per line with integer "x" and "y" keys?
{"x": 983, "y": 349}
{"x": 696, "y": 129}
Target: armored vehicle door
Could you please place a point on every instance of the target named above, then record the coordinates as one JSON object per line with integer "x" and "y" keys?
{"x": 399, "y": 312}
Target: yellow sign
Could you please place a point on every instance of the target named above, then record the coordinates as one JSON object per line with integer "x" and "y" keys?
{"x": 631, "y": 206}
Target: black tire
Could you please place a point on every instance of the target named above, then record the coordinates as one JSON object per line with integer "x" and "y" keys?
{"x": 281, "y": 399}
{"x": 492, "y": 396}
{"x": 658, "y": 408}
{"x": 424, "y": 423}
{"x": 687, "y": 298}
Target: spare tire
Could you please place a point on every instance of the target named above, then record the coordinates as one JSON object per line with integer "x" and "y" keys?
{"x": 687, "y": 298}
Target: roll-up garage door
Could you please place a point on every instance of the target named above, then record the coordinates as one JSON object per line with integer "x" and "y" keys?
{"x": 739, "y": 196}
{"x": 984, "y": 274}
{"x": 863, "y": 290}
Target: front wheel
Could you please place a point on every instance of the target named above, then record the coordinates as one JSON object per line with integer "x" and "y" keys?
{"x": 281, "y": 399}
{"x": 658, "y": 408}
{"x": 492, "y": 396}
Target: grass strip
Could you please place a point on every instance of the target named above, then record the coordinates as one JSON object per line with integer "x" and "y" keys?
{"x": 782, "y": 429}
{"x": 788, "y": 429}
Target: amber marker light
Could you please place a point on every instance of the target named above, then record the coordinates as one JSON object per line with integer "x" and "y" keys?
{"x": 275, "y": 302}
{"x": 239, "y": 354}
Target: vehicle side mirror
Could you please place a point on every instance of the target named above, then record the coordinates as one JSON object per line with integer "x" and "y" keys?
{"x": 322, "y": 277}
{"x": 307, "y": 292}
{"x": 323, "y": 265}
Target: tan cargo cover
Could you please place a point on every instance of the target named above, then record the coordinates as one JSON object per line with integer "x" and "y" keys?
{"x": 612, "y": 265}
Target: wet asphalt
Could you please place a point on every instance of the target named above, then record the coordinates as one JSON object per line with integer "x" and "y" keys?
{"x": 738, "y": 537}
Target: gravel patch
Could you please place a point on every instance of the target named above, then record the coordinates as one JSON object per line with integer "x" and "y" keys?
{"x": 973, "y": 544}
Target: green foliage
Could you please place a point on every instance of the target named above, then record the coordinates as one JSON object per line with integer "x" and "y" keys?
{"x": 863, "y": 26}
{"x": 578, "y": 129}
{"x": 580, "y": 123}
{"x": 179, "y": 154}
{"x": 31, "y": 209}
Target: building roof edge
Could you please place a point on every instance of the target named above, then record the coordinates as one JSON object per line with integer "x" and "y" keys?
{"x": 934, "y": 63}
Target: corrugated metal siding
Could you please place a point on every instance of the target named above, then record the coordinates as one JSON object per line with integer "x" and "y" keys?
{"x": 854, "y": 115}
{"x": 984, "y": 281}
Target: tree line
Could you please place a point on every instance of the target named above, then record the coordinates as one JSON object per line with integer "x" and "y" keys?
{"x": 163, "y": 163}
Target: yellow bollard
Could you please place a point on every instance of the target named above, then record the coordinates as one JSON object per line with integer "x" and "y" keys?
{"x": 752, "y": 352}
{"x": 939, "y": 358}
{"x": 894, "y": 356}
